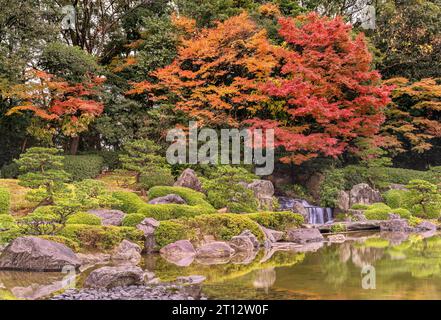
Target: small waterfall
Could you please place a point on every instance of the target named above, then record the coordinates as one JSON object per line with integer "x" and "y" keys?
{"x": 316, "y": 215}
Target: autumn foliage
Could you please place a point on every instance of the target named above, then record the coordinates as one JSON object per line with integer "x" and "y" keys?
{"x": 413, "y": 117}
{"x": 217, "y": 74}
{"x": 317, "y": 91}
{"x": 64, "y": 106}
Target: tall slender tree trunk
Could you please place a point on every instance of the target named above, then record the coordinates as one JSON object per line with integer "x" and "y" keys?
{"x": 75, "y": 142}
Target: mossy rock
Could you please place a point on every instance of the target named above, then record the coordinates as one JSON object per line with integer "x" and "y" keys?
{"x": 84, "y": 218}
{"x": 280, "y": 221}
{"x": 101, "y": 237}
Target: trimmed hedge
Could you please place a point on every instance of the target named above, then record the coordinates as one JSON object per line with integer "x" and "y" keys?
{"x": 281, "y": 221}
{"x": 84, "y": 218}
{"x": 10, "y": 171}
{"x": 101, "y": 237}
{"x": 83, "y": 166}
{"x": 5, "y": 201}
{"x": 192, "y": 197}
{"x": 6, "y": 221}
{"x": 359, "y": 206}
{"x": 132, "y": 220}
{"x": 172, "y": 231}
{"x": 172, "y": 211}
{"x": 129, "y": 202}
{"x": 380, "y": 211}
{"x": 224, "y": 226}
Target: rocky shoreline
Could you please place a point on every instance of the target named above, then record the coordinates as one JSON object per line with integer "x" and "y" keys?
{"x": 141, "y": 292}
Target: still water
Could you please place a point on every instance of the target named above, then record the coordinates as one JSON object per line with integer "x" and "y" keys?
{"x": 399, "y": 266}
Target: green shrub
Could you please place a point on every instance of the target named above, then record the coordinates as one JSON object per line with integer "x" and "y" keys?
{"x": 423, "y": 199}
{"x": 84, "y": 218}
{"x": 172, "y": 211}
{"x": 172, "y": 231}
{"x": 132, "y": 220}
{"x": 129, "y": 202}
{"x": 101, "y": 237}
{"x": 379, "y": 205}
{"x": 281, "y": 221}
{"x": 156, "y": 176}
{"x": 402, "y": 212}
{"x": 6, "y": 222}
{"x": 5, "y": 201}
{"x": 414, "y": 221}
{"x": 331, "y": 186}
{"x": 83, "y": 166}
{"x": 10, "y": 171}
{"x": 395, "y": 198}
{"x": 377, "y": 213}
{"x": 224, "y": 226}
{"x": 338, "y": 227}
{"x": 110, "y": 159}
{"x": 359, "y": 206}
{"x": 74, "y": 245}
{"x": 192, "y": 197}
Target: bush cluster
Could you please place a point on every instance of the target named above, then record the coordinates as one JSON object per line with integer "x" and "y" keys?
{"x": 84, "y": 218}
{"x": 83, "y": 166}
{"x": 129, "y": 202}
{"x": 5, "y": 201}
{"x": 280, "y": 221}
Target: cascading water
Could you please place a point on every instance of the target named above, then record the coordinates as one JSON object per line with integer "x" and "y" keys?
{"x": 316, "y": 215}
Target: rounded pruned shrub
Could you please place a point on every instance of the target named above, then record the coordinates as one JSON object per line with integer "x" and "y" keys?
{"x": 395, "y": 198}
{"x": 359, "y": 206}
{"x": 129, "y": 202}
{"x": 83, "y": 166}
{"x": 192, "y": 197}
{"x": 172, "y": 231}
{"x": 157, "y": 176}
{"x": 132, "y": 220}
{"x": 84, "y": 218}
{"x": 5, "y": 201}
{"x": 10, "y": 171}
{"x": 101, "y": 237}
{"x": 281, "y": 221}
{"x": 172, "y": 211}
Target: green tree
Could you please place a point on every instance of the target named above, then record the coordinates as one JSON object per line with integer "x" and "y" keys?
{"x": 423, "y": 199}
{"x": 42, "y": 170}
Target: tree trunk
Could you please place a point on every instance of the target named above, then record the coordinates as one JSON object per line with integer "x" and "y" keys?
{"x": 75, "y": 142}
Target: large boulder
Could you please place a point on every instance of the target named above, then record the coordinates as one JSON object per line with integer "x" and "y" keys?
{"x": 180, "y": 252}
{"x": 241, "y": 244}
{"x": 313, "y": 184}
{"x": 36, "y": 254}
{"x": 343, "y": 201}
{"x": 264, "y": 192}
{"x": 303, "y": 236}
{"x": 111, "y": 277}
{"x": 252, "y": 237}
{"x": 395, "y": 225}
{"x": 109, "y": 217}
{"x": 127, "y": 252}
{"x": 168, "y": 199}
{"x": 272, "y": 235}
{"x": 148, "y": 227}
{"x": 189, "y": 179}
{"x": 362, "y": 193}
{"x": 426, "y": 226}
{"x": 216, "y": 249}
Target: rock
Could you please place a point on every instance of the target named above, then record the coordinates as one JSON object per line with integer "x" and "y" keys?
{"x": 362, "y": 193}
{"x": 253, "y": 238}
{"x": 189, "y": 179}
{"x": 264, "y": 192}
{"x": 148, "y": 226}
{"x": 313, "y": 184}
{"x": 304, "y": 235}
{"x": 36, "y": 254}
{"x": 343, "y": 201}
{"x": 127, "y": 252}
{"x": 241, "y": 243}
{"x": 216, "y": 249}
{"x": 109, "y": 217}
{"x": 337, "y": 238}
{"x": 111, "y": 277}
{"x": 425, "y": 226}
{"x": 299, "y": 208}
{"x": 273, "y": 235}
{"x": 393, "y": 216}
{"x": 353, "y": 226}
{"x": 180, "y": 252}
{"x": 395, "y": 225}
{"x": 168, "y": 199}
{"x": 191, "y": 279}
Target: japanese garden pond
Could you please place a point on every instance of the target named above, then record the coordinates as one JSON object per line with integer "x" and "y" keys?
{"x": 399, "y": 266}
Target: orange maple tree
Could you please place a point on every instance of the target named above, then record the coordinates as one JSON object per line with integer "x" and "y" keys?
{"x": 66, "y": 108}
{"x": 326, "y": 99}
{"x": 413, "y": 116}
{"x": 217, "y": 74}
